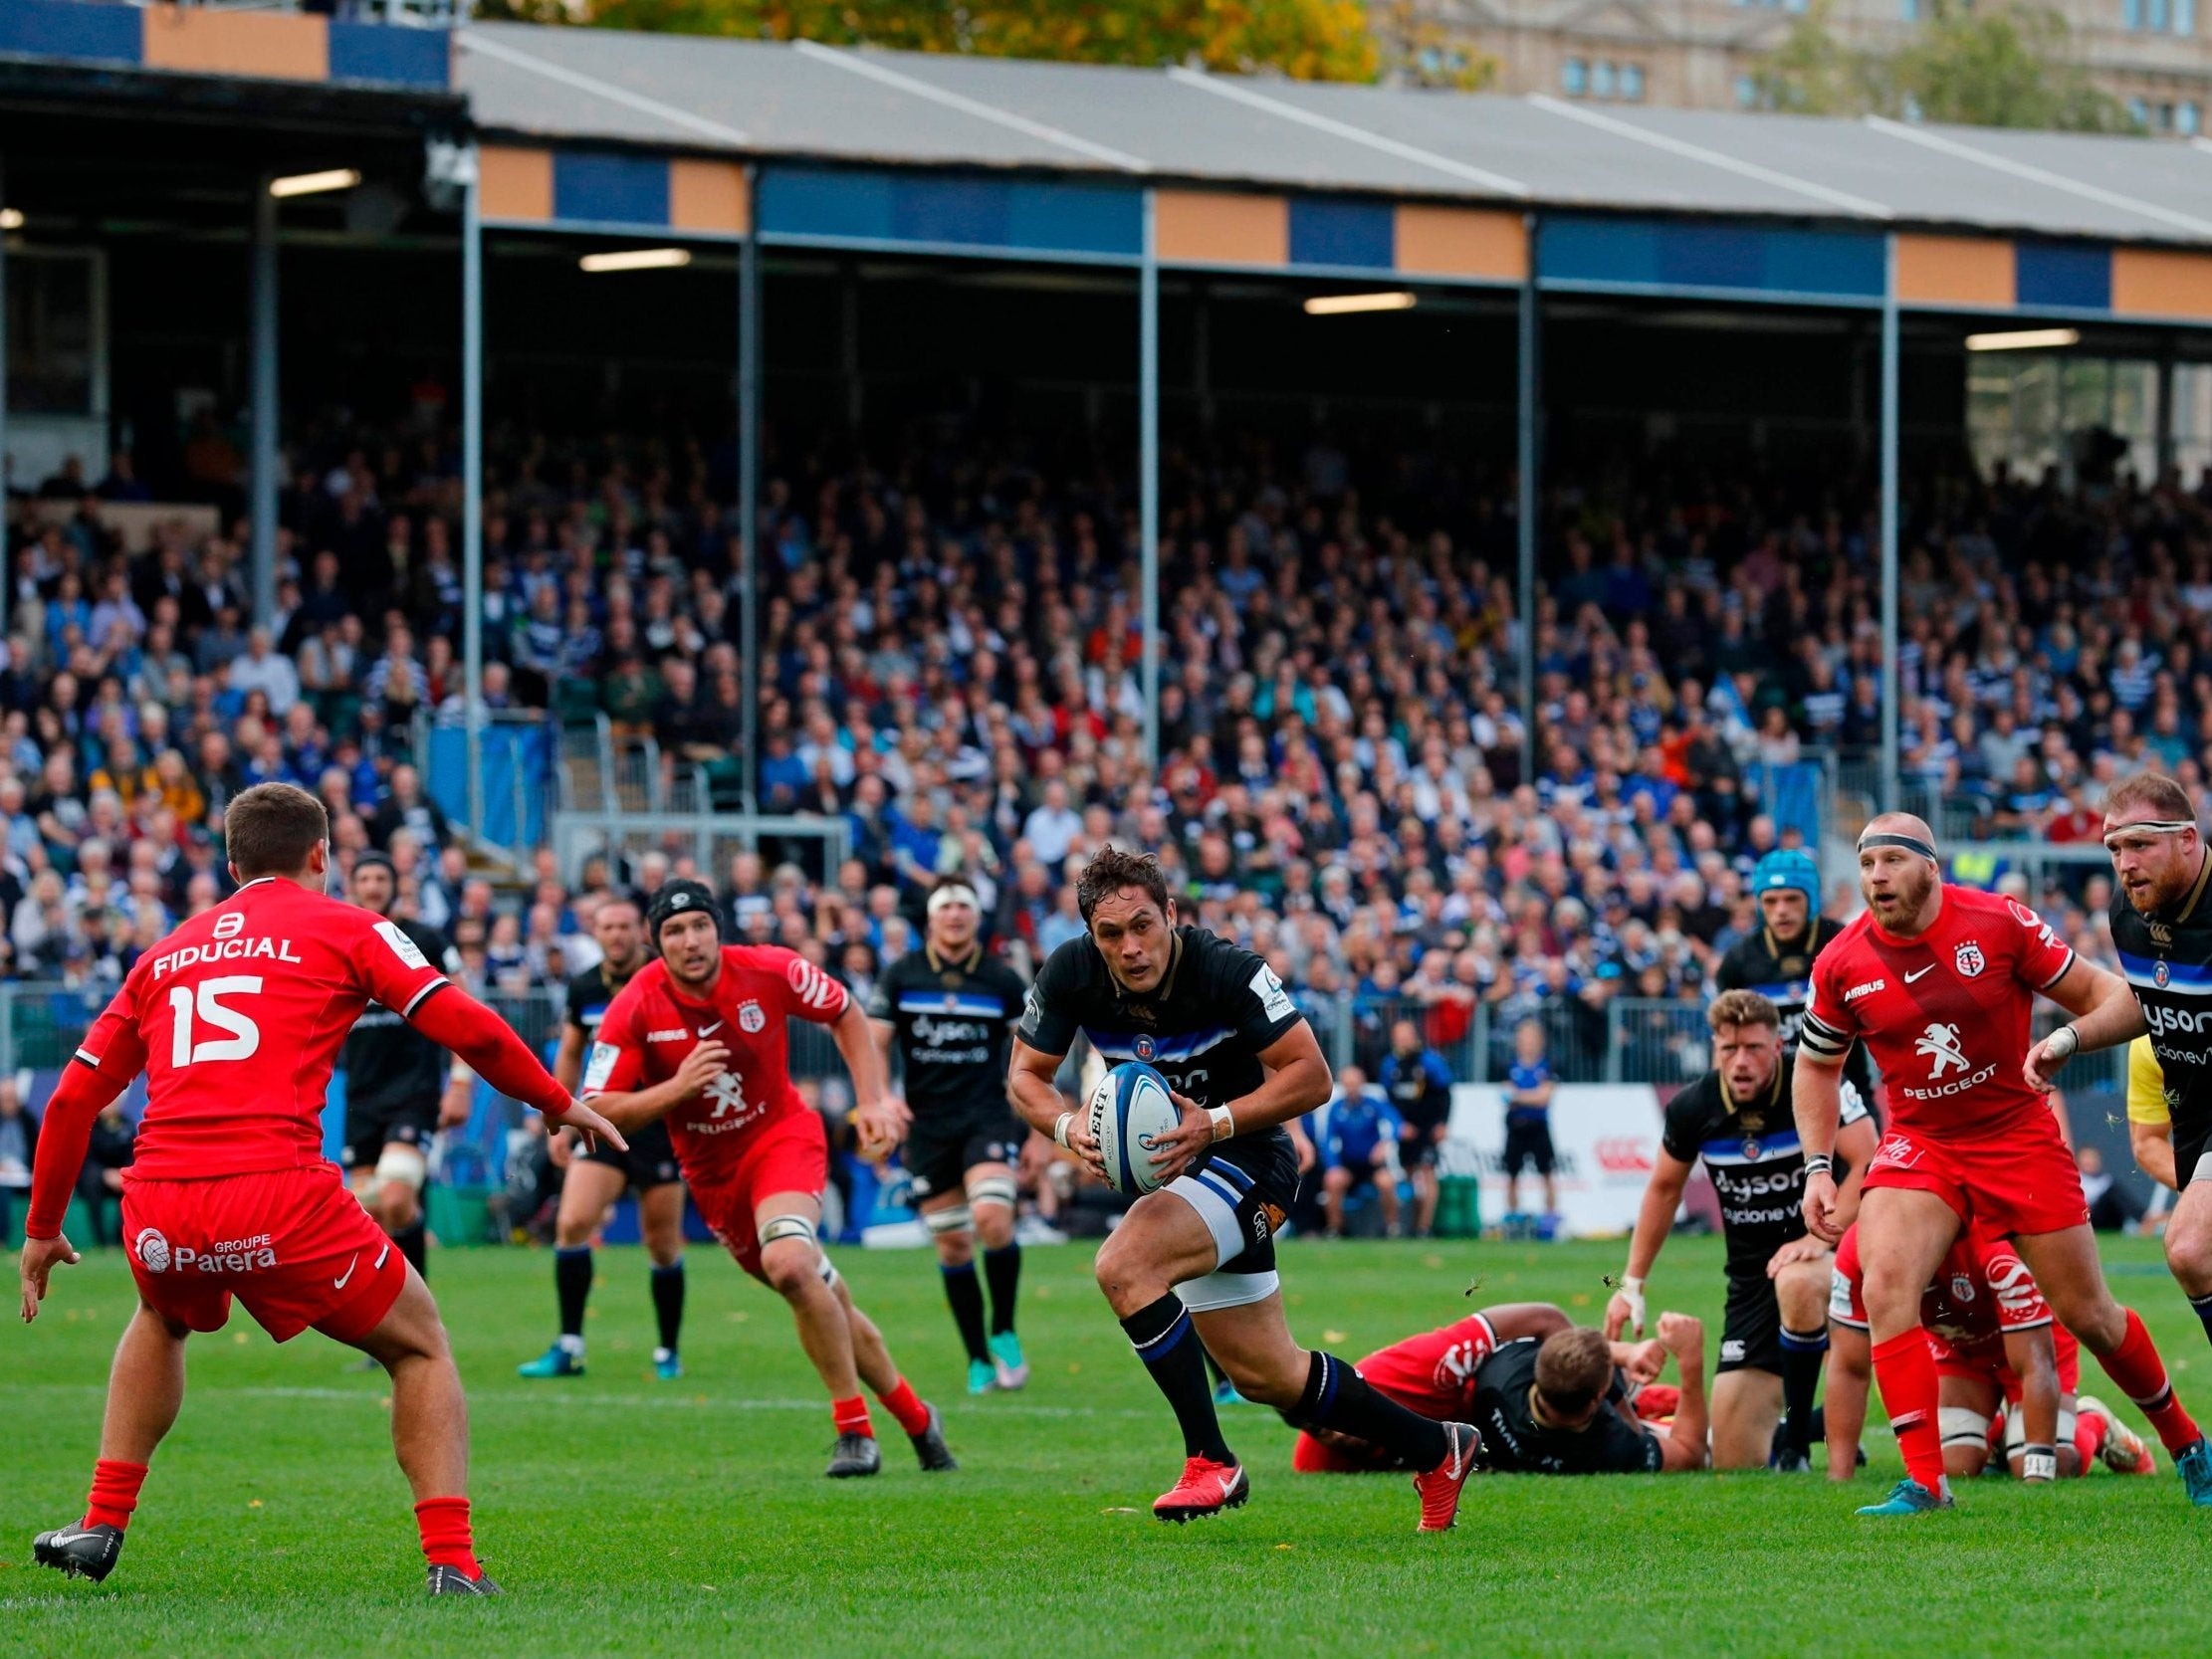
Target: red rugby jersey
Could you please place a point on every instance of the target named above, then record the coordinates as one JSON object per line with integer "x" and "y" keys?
{"x": 236, "y": 1019}
{"x": 1945, "y": 1014}
{"x": 1981, "y": 1292}
{"x": 650, "y": 1026}
{"x": 1433, "y": 1372}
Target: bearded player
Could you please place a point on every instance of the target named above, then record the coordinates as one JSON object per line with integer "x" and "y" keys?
{"x": 699, "y": 1038}
{"x": 1548, "y": 1397}
{"x": 1939, "y": 982}
{"x": 236, "y": 1018}
{"x": 1194, "y": 1263}
{"x": 2005, "y": 1367}
{"x": 2162, "y": 928}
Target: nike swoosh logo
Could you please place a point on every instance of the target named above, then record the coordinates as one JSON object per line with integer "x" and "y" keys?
{"x": 1931, "y": 968}
{"x": 340, "y": 1284}
{"x": 1229, "y": 1484}
{"x": 378, "y": 1266}
{"x": 60, "y": 1538}
{"x": 710, "y": 1030}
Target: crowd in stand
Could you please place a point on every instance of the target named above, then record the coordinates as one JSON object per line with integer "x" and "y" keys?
{"x": 951, "y": 662}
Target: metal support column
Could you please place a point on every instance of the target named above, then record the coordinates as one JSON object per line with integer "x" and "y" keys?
{"x": 749, "y": 484}
{"x": 1528, "y": 414}
{"x": 1889, "y": 441}
{"x": 1148, "y": 474}
{"x": 263, "y": 515}
{"x": 472, "y": 483}
{"x": 2165, "y": 461}
{"x": 7, "y": 564}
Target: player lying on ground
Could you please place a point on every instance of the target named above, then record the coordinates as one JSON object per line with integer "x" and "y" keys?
{"x": 1548, "y": 1397}
{"x": 948, "y": 1008}
{"x": 594, "y": 1179}
{"x": 1200, "y": 1252}
{"x": 1998, "y": 1353}
{"x": 2161, "y": 925}
{"x": 399, "y": 1090}
{"x": 236, "y": 1018}
{"x": 1939, "y": 981}
{"x": 1737, "y": 1118}
{"x": 701, "y": 1038}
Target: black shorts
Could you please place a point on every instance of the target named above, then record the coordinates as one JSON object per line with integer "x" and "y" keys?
{"x": 1417, "y": 1149}
{"x": 2188, "y": 1154}
{"x": 938, "y": 1157}
{"x": 1527, "y": 1144}
{"x": 650, "y": 1161}
{"x": 1243, "y": 1192}
{"x": 369, "y": 1130}
{"x": 1751, "y": 1328}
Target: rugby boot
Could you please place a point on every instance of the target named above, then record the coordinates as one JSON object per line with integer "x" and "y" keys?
{"x": 79, "y": 1551}
{"x": 854, "y": 1455}
{"x": 1441, "y": 1487}
{"x": 1910, "y": 1497}
{"x": 1206, "y": 1488}
{"x": 1006, "y": 1359}
{"x": 937, "y": 1457}
{"x": 451, "y": 1580}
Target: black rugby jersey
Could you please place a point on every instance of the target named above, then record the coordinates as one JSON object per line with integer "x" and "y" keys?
{"x": 1783, "y": 974}
{"x": 1514, "y": 1441}
{"x": 1216, "y": 1008}
{"x": 2167, "y": 960}
{"x": 953, "y": 1017}
{"x": 592, "y": 992}
{"x": 386, "y": 1061}
{"x": 1753, "y": 1159}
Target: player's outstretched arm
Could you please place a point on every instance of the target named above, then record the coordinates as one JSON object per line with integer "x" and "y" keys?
{"x": 77, "y": 1099}
{"x": 1817, "y": 1103}
{"x": 880, "y": 1121}
{"x": 1512, "y": 1321}
{"x": 487, "y": 1044}
{"x": 1855, "y": 1145}
{"x": 1685, "y": 1337}
{"x": 1655, "y": 1219}
{"x": 2034, "y": 1358}
{"x": 2105, "y": 1012}
{"x": 1033, "y": 1094}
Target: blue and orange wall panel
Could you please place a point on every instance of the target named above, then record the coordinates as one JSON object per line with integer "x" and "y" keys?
{"x": 524, "y": 185}
{"x": 1670, "y": 255}
{"x": 197, "y": 40}
{"x": 1999, "y": 273}
{"x": 1292, "y": 233}
{"x": 1068, "y": 218}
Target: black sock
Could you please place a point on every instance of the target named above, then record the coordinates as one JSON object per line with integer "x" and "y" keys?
{"x": 966, "y": 1298}
{"x": 2203, "y": 1306}
{"x": 1816, "y": 1427}
{"x": 414, "y": 1245}
{"x": 1802, "y": 1354}
{"x": 1002, "y": 1268}
{"x": 1338, "y": 1397}
{"x": 1163, "y": 1336}
{"x": 668, "y": 1302}
{"x": 572, "y": 1280}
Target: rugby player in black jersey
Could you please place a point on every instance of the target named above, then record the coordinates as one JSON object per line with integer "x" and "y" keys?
{"x": 1194, "y": 1261}
{"x": 1776, "y": 959}
{"x": 400, "y": 1088}
{"x": 948, "y": 1009}
{"x": 2161, "y": 920}
{"x": 597, "y": 1178}
{"x": 1773, "y": 1334}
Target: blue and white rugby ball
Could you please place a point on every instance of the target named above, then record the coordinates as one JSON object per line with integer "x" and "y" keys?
{"x": 1127, "y": 1114}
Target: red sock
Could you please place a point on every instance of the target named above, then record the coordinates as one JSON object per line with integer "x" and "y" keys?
{"x": 2142, "y": 1376}
{"x": 444, "y": 1524}
{"x": 851, "y": 1416}
{"x": 906, "y": 1405}
{"x": 2089, "y": 1438}
{"x": 1905, "y": 1372}
{"x": 115, "y": 1492}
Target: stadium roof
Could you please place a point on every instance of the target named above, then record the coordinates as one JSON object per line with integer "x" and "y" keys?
{"x": 804, "y": 100}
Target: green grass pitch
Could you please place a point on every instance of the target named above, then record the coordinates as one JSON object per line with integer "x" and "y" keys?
{"x": 630, "y": 1516}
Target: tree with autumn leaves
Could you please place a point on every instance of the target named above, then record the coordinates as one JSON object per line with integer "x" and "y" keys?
{"x": 1306, "y": 40}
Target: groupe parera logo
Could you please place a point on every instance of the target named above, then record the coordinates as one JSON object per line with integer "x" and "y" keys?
{"x": 153, "y": 1251}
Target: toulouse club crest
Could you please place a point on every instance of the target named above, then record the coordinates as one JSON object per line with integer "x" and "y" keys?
{"x": 1969, "y": 961}
{"x": 752, "y": 1018}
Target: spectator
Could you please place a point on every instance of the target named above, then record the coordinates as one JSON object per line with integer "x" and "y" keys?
{"x": 1528, "y": 1096}
{"x": 19, "y": 1143}
{"x": 1417, "y": 1081}
{"x": 1359, "y": 1148}
{"x": 100, "y": 1182}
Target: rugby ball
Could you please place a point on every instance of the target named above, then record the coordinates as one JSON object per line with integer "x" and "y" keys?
{"x": 1127, "y": 1114}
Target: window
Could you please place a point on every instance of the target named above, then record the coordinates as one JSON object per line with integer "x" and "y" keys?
{"x": 1747, "y": 92}
{"x": 1573, "y": 77}
{"x": 1631, "y": 83}
{"x": 1910, "y": 9}
{"x": 2157, "y": 16}
{"x": 55, "y": 348}
{"x": 2130, "y": 14}
{"x": 2188, "y": 119}
{"x": 1601, "y": 79}
{"x": 2185, "y": 17}
{"x": 2138, "y": 111}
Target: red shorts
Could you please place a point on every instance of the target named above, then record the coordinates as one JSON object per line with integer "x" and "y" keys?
{"x": 1984, "y": 1362}
{"x": 790, "y": 1155}
{"x": 294, "y": 1245}
{"x": 2021, "y": 1181}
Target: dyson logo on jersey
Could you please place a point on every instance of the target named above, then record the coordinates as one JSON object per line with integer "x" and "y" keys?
{"x": 224, "y": 950}
{"x": 2163, "y": 1021}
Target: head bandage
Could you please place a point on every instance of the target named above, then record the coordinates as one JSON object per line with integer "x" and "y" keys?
{"x": 959, "y": 892}
{"x": 1910, "y": 843}
{"x": 2150, "y": 826}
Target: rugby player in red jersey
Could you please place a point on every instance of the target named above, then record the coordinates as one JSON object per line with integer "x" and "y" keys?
{"x": 236, "y": 1018}
{"x": 1502, "y": 1370}
{"x": 1939, "y": 982}
{"x": 1998, "y": 1354}
{"x": 699, "y": 1038}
